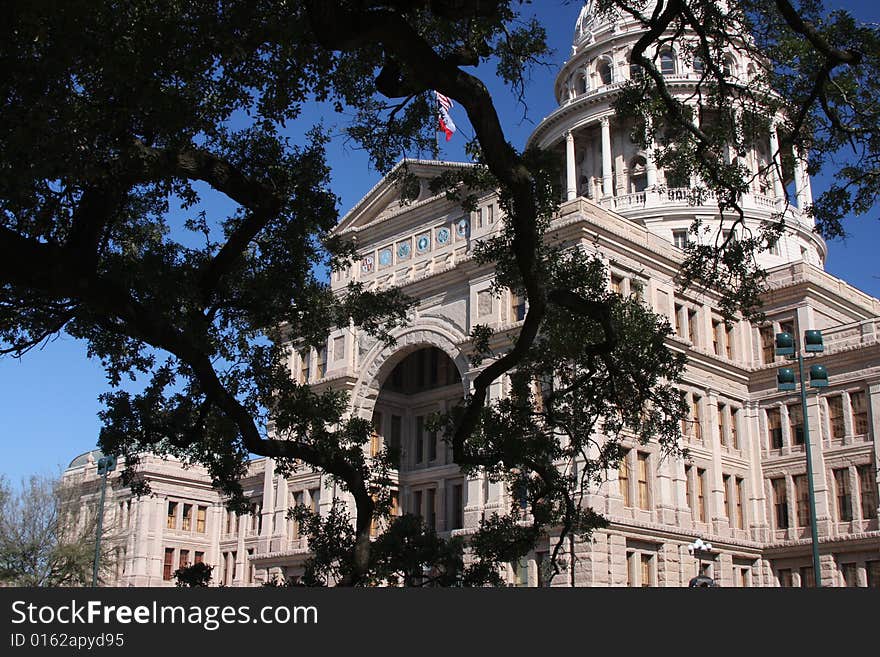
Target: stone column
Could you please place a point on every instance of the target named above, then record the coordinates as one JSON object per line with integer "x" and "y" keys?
{"x": 717, "y": 514}
{"x": 268, "y": 509}
{"x": 873, "y": 403}
{"x": 650, "y": 164}
{"x": 778, "y": 190}
{"x": 281, "y": 503}
{"x": 607, "y": 179}
{"x": 820, "y": 479}
{"x": 570, "y": 168}
{"x": 803, "y": 193}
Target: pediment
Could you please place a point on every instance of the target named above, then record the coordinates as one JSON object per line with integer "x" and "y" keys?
{"x": 385, "y": 199}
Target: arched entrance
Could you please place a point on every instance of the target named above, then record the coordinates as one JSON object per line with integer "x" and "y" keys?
{"x": 423, "y": 383}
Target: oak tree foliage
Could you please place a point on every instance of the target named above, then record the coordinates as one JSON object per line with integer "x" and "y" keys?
{"x": 121, "y": 119}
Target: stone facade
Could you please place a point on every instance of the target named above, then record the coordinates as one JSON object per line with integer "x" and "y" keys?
{"x": 743, "y": 487}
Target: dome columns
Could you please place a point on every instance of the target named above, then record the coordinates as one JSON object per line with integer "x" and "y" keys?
{"x": 570, "y": 168}
{"x": 778, "y": 190}
{"x": 607, "y": 175}
{"x": 802, "y": 190}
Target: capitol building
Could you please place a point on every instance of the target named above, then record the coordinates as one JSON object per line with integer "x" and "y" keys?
{"x": 743, "y": 487}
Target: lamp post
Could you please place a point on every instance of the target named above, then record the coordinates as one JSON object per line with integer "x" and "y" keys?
{"x": 106, "y": 465}
{"x": 785, "y": 381}
{"x": 697, "y": 549}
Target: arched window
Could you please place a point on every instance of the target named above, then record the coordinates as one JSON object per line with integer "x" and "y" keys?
{"x": 751, "y": 72}
{"x": 635, "y": 71}
{"x": 580, "y": 83}
{"x": 667, "y": 62}
{"x": 698, "y": 65}
{"x": 638, "y": 175}
{"x": 605, "y": 72}
{"x": 729, "y": 66}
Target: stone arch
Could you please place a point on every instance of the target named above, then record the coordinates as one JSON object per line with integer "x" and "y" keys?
{"x": 668, "y": 61}
{"x": 379, "y": 362}
{"x": 605, "y": 70}
{"x": 638, "y": 173}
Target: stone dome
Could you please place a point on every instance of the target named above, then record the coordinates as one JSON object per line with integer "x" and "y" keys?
{"x": 591, "y": 21}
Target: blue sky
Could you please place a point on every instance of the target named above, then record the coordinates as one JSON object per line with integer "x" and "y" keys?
{"x": 49, "y": 399}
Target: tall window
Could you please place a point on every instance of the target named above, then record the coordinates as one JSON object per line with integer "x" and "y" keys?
{"x": 605, "y": 72}
{"x": 186, "y": 522}
{"x": 725, "y": 484}
{"x": 796, "y": 423}
{"x": 305, "y": 363}
{"x": 201, "y": 517}
{"x": 868, "y": 491}
{"x": 835, "y": 416}
{"x": 780, "y": 503}
{"x": 784, "y": 577}
{"x": 728, "y": 342}
{"x": 294, "y": 524}
{"x": 696, "y": 428}
{"x": 722, "y": 424}
{"x": 376, "y": 434}
{"x": 638, "y": 174}
{"x": 872, "y": 571}
{"x": 701, "y": 495}
{"x": 774, "y": 428}
{"x": 623, "y": 479}
{"x": 740, "y": 515}
{"x": 456, "y": 507}
{"x": 635, "y": 71}
{"x": 396, "y": 435}
{"x": 431, "y": 504}
{"x": 848, "y": 572}
{"x": 688, "y": 487}
{"x": 808, "y": 579}
{"x": 417, "y": 503}
{"x": 667, "y": 62}
{"x": 718, "y": 336}
{"x": 420, "y": 438}
{"x": 734, "y": 433}
{"x": 517, "y": 307}
{"x": 172, "y": 515}
{"x": 616, "y": 284}
{"x": 698, "y": 65}
{"x": 199, "y": 557}
{"x": 322, "y": 362}
{"x": 680, "y": 238}
{"x": 183, "y": 561}
{"x": 768, "y": 344}
{"x": 679, "y": 320}
{"x": 693, "y": 327}
{"x": 168, "y": 564}
{"x": 647, "y": 570}
{"x": 802, "y": 497}
{"x": 432, "y": 445}
{"x": 860, "y": 412}
{"x": 844, "y": 497}
{"x": 644, "y": 501}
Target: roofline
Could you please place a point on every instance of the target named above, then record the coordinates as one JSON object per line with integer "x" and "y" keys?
{"x": 366, "y": 198}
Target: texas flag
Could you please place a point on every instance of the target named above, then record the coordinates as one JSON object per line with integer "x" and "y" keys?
{"x": 446, "y": 124}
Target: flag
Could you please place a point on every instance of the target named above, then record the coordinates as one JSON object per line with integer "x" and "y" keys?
{"x": 444, "y": 104}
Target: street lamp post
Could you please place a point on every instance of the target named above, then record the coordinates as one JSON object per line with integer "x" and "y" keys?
{"x": 106, "y": 465}
{"x": 697, "y": 549}
{"x": 785, "y": 381}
